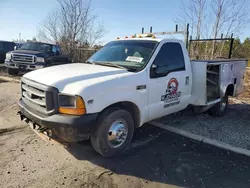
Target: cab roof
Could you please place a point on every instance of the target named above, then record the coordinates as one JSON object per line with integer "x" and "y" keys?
{"x": 149, "y": 39}
{"x": 143, "y": 38}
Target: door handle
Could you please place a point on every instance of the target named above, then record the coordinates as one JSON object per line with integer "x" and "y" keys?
{"x": 141, "y": 87}
{"x": 187, "y": 80}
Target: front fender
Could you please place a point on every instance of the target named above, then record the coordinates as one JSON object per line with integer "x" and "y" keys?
{"x": 105, "y": 99}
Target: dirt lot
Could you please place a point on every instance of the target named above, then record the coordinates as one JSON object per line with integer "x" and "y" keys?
{"x": 155, "y": 158}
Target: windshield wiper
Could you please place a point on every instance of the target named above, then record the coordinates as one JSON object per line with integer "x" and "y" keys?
{"x": 88, "y": 62}
{"x": 133, "y": 69}
{"x": 110, "y": 65}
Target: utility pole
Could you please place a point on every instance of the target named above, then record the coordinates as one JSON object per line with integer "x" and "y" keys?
{"x": 19, "y": 37}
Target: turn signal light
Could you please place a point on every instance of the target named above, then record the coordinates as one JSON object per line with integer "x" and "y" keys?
{"x": 80, "y": 108}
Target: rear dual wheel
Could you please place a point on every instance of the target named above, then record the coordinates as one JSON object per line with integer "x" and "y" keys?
{"x": 219, "y": 109}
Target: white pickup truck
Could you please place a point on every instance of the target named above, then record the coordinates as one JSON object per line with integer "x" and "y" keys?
{"x": 121, "y": 87}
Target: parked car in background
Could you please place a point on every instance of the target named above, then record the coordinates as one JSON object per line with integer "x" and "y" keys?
{"x": 34, "y": 55}
{"x": 5, "y": 46}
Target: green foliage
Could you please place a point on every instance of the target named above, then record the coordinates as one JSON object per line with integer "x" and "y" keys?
{"x": 203, "y": 50}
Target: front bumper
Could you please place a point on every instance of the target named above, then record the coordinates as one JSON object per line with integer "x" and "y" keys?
{"x": 22, "y": 66}
{"x": 67, "y": 127}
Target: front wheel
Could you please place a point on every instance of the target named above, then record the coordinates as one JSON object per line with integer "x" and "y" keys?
{"x": 13, "y": 72}
{"x": 219, "y": 109}
{"x": 114, "y": 132}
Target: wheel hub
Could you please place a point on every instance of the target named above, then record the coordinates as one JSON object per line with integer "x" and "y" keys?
{"x": 117, "y": 134}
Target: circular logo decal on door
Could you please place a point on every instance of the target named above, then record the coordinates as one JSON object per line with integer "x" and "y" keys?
{"x": 172, "y": 86}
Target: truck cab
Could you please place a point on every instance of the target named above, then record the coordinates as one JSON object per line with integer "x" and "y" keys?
{"x": 127, "y": 83}
{"x": 162, "y": 84}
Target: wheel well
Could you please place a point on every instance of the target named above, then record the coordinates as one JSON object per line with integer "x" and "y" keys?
{"x": 131, "y": 108}
{"x": 230, "y": 90}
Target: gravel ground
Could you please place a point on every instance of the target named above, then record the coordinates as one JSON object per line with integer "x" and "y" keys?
{"x": 233, "y": 128}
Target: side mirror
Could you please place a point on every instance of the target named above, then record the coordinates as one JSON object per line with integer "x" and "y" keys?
{"x": 154, "y": 67}
{"x": 15, "y": 47}
{"x": 158, "y": 71}
{"x": 153, "y": 71}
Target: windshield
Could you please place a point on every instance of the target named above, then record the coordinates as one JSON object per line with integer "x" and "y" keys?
{"x": 36, "y": 47}
{"x": 129, "y": 54}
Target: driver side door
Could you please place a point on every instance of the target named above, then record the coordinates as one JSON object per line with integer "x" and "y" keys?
{"x": 57, "y": 57}
{"x": 168, "y": 85}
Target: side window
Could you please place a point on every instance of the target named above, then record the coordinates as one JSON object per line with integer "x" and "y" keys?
{"x": 54, "y": 49}
{"x": 170, "y": 58}
{"x": 58, "y": 49}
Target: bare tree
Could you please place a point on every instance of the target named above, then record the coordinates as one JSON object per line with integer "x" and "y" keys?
{"x": 210, "y": 18}
{"x": 72, "y": 25}
{"x": 230, "y": 16}
{"x": 193, "y": 12}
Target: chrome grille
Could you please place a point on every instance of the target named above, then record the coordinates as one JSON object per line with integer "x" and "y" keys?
{"x": 23, "y": 58}
{"x": 38, "y": 97}
{"x": 35, "y": 96}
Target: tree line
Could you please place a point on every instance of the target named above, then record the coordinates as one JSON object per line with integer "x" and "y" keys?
{"x": 73, "y": 25}
{"x": 203, "y": 50}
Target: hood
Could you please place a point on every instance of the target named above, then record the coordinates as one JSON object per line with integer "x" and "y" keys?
{"x": 30, "y": 52}
{"x": 63, "y": 75}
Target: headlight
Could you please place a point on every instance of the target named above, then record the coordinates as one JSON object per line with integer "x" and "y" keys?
{"x": 72, "y": 105}
{"x": 40, "y": 59}
{"x": 8, "y": 56}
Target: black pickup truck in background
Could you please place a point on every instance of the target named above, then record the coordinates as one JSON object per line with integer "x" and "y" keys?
{"x": 5, "y": 46}
{"x": 34, "y": 55}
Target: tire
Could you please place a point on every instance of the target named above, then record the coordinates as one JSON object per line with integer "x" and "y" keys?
{"x": 48, "y": 64}
{"x": 103, "y": 138}
{"x": 219, "y": 109}
{"x": 13, "y": 72}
